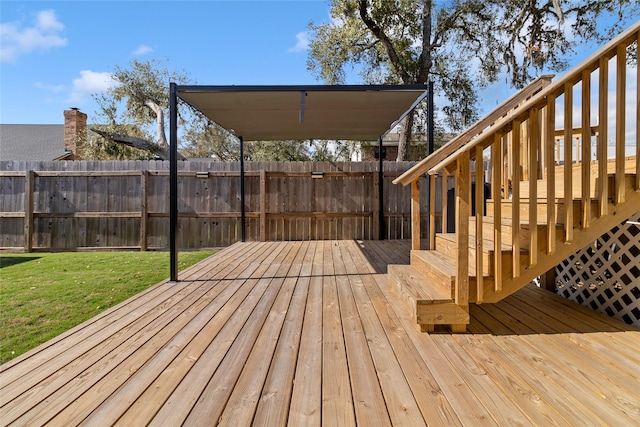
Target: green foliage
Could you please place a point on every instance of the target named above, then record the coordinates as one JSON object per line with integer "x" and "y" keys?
{"x": 459, "y": 44}
{"x": 123, "y": 111}
{"x": 137, "y": 83}
{"x": 203, "y": 139}
{"x": 282, "y": 151}
{"x": 44, "y": 295}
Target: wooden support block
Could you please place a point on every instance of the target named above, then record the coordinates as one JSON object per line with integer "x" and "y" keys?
{"x": 441, "y": 314}
{"x": 458, "y": 328}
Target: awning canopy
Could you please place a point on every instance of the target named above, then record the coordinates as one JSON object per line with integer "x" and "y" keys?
{"x": 340, "y": 112}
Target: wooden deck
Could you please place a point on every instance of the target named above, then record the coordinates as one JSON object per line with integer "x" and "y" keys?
{"x": 312, "y": 333}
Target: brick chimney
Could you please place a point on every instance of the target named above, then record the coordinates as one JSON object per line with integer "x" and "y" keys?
{"x": 75, "y": 126}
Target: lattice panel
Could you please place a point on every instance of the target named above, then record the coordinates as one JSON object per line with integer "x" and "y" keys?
{"x": 606, "y": 275}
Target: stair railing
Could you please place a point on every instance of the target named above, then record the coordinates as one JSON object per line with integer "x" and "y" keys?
{"x": 539, "y": 149}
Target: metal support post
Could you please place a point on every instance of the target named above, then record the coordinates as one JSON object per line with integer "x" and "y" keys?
{"x": 173, "y": 182}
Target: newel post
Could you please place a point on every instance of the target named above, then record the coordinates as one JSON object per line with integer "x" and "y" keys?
{"x": 463, "y": 196}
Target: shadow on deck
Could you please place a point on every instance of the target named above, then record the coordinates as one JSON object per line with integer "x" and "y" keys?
{"x": 311, "y": 333}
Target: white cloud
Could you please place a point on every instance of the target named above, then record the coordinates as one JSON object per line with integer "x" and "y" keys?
{"x": 88, "y": 83}
{"x": 42, "y": 35}
{"x": 302, "y": 43}
{"x": 143, "y": 49}
{"x": 51, "y": 88}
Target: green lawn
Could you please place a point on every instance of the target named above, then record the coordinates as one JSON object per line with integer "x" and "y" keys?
{"x": 44, "y": 294}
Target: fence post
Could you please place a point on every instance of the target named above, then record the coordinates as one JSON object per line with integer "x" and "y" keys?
{"x": 263, "y": 205}
{"x": 376, "y": 205}
{"x": 144, "y": 210}
{"x": 29, "y": 188}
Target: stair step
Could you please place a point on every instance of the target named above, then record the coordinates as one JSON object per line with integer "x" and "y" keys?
{"x": 447, "y": 244}
{"x": 430, "y": 303}
{"x": 437, "y": 267}
{"x": 523, "y": 232}
{"x": 541, "y": 204}
{"x": 416, "y": 287}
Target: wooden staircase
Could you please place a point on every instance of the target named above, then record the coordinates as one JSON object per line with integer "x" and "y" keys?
{"x": 574, "y": 200}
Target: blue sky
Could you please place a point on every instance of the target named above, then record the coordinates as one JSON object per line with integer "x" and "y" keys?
{"x": 55, "y": 53}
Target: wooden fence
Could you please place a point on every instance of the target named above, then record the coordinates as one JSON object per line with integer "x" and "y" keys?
{"x": 84, "y": 205}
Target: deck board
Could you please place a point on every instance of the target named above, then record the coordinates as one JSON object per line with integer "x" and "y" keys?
{"x": 312, "y": 333}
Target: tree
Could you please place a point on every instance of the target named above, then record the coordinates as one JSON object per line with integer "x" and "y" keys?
{"x": 130, "y": 109}
{"x": 458, "y": 44}
{"x": 132, "y": 126}
{"x": 131, "y": 115}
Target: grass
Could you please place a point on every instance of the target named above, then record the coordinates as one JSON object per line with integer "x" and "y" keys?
{"x": 43, "y": 295}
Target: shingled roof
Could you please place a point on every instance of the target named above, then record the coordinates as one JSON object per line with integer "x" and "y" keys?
{"x": 32, "y": 142}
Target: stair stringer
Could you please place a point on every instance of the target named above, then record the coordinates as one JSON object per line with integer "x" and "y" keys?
{"x": 581, "y": 239}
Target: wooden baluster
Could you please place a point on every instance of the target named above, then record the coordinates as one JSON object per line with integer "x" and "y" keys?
{"x": 534, "y": 143}
{"x": 515, "y": 196}
{"x": 568, "y": 162}
{"x": 551, "y": 174}
{"x": 415, "y": 215}
{"x": 621, "y": 89}
{"x": 585, "y": 206}
{"x": 445, "y": 207}
{"x": 479, "y": 223}
{"x": 603, "y": 117}
{"x": 525, "y": 173}
{"x": 504, "y": 163}
{"x": 496, "y": 195}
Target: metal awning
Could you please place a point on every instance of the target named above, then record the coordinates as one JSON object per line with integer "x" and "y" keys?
{"x": 339, "y": 112}
{"x": 267, "y": 113}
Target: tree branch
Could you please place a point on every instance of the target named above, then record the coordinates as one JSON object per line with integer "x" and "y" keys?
{"x": 162, "y": 138}
{"x": 382, "y": 36}
{"x": 427, "y": 47}
{"x": 135, "y": 142}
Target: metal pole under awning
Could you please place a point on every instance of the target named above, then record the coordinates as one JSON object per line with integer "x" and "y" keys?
{"x": 173, "y": 183}
{"x": 243, "y": 213}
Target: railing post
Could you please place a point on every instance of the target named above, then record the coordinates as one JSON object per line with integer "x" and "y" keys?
{"x": 431, "y": 179}
{"x": 463, "y": 191}
{"x": 637, "y": 120}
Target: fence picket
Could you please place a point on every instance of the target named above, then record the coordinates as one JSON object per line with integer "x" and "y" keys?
{"x": 87, "y": 205}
